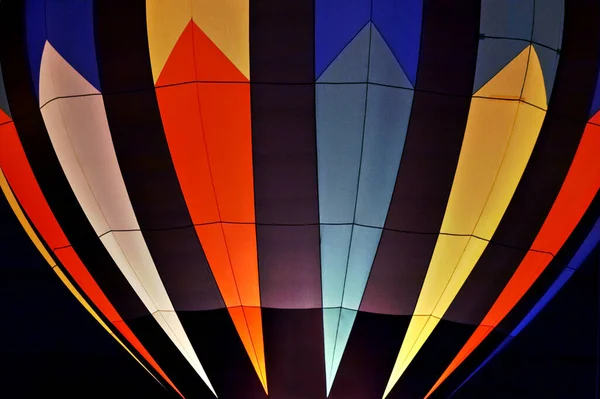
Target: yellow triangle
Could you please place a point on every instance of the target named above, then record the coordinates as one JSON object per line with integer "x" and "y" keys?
{"x": 227, "y": 24}
{"x": 166, "y": 20}
{"x": 534, "y": 91}
{"x": 512, "y": 83}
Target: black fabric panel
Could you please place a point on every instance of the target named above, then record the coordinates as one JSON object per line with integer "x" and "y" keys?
{"x": 485, "y": 284}
{"x": 548, "y": 166}
{"x": 169, "y": 358}
{"x": 369, "y": 357}
{"x": 488, "y": 345}
{"x": 282, "y": 41}
{"x": 394, "y": 287}
{"x": 46, "y": 167}
{"x": 554, "y": 357}
{"x": 222, "y": 354}
{"x": 144, "y": 156}
{"x": 284, "y": 151}
{"x": 184, "y": 269}
{"x": 435, "y": 133}
{"x": 50, "y": 343}
{"x": 294, "y": 353}
{"x": 431, "y": 361}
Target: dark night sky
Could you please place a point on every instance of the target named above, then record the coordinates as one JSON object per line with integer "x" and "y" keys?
{"x": 49, "y": 344}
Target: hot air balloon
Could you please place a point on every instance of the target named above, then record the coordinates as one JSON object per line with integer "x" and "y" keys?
{"x": 304, "y": 199}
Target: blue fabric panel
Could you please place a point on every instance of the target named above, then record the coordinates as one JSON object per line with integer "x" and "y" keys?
{"x": 337, "y": 324}
{"x": 548, "y": 24}
{"x": 331, "y": 320}
{"x": 36, "y": 38}
{"x": 383, "y": 67}
{"x": 71, "y": 32}
{"x": 492, "y": 56}
{"x": 335, "y": 245}
{"x": 507, "y": 18}
{"x": 596, "y": 102}
{"x": 363, "y": 248}
{"x": 335, "y": 25}
{"x": 340, "y": 119}
{"x": 388, "y": 113}
{"x": 399, "y": 22}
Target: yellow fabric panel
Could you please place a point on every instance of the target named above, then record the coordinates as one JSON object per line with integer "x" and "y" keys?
{"x": 166, "y": 21}
{"x": 486, "y": 137}
{"x": 499, "y": 139}
{"x": 227, "y": 24}
{"x": 534, "y": 91}
{"x": 419, "y": 329}
{"x": 16, "y": 208}
{"x": 451, "y": 264}
{"x": 508, "y": 83}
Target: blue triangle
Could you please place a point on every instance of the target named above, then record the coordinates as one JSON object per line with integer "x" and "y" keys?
{"x": 596, "y": 101}
{"x": 399, "y": 22}
{"x": 335, "y": 26}
{"x": 70, "y": 27}
{"x": 352, "y": 63}
{"x": 384, "y": 68}
{"x": 338, "y": 325}
{"x": 549, "y": 62}
{"x": 3, "y": 100}
{"x": 492, "y": 56}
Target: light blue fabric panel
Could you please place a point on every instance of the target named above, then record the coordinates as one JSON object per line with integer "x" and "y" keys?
{"x": 548, "y": 25}
{"x": 549, "y": 62}
{"x": 337, "y": 325}
{"x": 388, "y": 113}
{"x": 384, "y": 68}
{"x": 362, "y": 253}
{"x": 340, "y": 120}
{"x": 331, "y": 319}
{"x": 340, "y": 110}
{"x": 335, "y": 244}
{"x": 507, "y": 18}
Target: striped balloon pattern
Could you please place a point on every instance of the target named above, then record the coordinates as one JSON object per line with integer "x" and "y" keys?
{"x": 304, "y": 199}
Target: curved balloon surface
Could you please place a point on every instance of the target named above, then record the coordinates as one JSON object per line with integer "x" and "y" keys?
{"x": 304, "y": 199}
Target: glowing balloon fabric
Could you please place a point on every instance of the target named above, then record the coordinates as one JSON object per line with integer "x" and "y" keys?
{"x": 266, "y": 198}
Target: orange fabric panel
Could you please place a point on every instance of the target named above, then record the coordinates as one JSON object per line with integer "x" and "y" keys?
{"x": 212, "y": 155}
{"x": 248, "y": 323}
{"x": 577, "y": 192}
{"x": 215, "y": 248}
{"x": 180, "y": 64}
{"x": 254, "y": 320}
{"x": 23, "y": 183}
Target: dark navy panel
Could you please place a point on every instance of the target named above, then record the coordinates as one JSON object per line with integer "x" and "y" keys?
{"x": 336, "y": 24}
{"x": 399, "y": 22}
{"x": 36, "y": 38}
{"x": 70, "y": 30}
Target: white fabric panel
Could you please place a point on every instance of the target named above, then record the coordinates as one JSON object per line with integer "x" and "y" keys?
{"x": 80, "y": 135}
